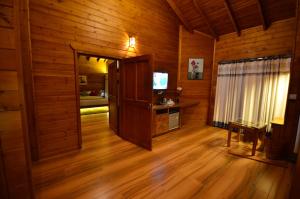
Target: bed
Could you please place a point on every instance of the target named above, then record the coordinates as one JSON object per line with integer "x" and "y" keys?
{"x": 93, "y": 101}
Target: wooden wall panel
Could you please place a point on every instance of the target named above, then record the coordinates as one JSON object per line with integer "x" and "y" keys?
{"x": 95, "y": 70}
{"x": 195, "y": 46}
{"x": 7, "y": 59}
{"x": 95, "y": 82}
{"x": 14, "y": 156}
{"x": 294, "y": 107}
{"x": 101, "y": 27}
{"x": 277, "y": 40}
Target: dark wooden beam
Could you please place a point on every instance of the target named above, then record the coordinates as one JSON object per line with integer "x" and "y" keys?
{"x": 202, "y": 13}
{"x": 179, "y": 14}
{"x": 262, "y": 14}
{"x": 232, "y": 18}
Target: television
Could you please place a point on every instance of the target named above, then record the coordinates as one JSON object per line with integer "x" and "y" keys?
{"x": 160, "y": 81}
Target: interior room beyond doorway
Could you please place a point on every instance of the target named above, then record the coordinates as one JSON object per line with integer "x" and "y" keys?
{"x": 93, "y": 74}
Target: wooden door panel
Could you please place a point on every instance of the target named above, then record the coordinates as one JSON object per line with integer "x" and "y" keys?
{"x": 129, "y": 81}
{"x": 113, "y": 114}
{"x": 144, "y": 81}
{"x": 136, "y": 100}
{"x": 113, "y": 94}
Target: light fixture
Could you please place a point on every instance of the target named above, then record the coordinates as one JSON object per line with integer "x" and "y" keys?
{"x": 131, "y": 41}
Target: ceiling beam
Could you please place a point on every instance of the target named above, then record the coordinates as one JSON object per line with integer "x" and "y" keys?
{"x": 232, "y": 18}
{"x": 262, "y": 15}
{"x": 179, "y": 14}
{"x": 202, "y": 13}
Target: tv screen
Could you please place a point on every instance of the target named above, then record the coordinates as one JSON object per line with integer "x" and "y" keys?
{"x": 160, "y": 81}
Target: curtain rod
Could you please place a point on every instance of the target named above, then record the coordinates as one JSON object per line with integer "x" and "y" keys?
{"x": 255, "y": 59}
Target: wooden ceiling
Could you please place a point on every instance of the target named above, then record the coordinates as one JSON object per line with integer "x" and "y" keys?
{"x": 218, "y": 17}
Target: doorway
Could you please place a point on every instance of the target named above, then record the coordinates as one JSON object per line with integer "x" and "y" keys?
{"x": 123, "y": 97}
{"x": 98, "y": 88}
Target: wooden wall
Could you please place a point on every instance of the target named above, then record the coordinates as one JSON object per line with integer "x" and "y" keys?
{"x": 101, "y": 27}
{"x": 13, "y": 139}
{"x": 293, "y": 106}
{"x": 195, "y": 46}
{"x": 95, "y": 72}
{"x": 254, "y": 42}
{"x": 95, "y": 82}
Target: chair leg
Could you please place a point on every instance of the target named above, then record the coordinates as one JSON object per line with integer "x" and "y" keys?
{"x": 229, "y": 137}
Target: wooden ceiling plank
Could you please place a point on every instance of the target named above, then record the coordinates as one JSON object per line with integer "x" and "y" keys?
{"x": 262, "y": 15}
{"x": 202, "y": 13}
{"x": 232, "y": 18}
{"x": 179, "y": 14}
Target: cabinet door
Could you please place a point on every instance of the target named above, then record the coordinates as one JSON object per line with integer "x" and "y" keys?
{"x": 162, "y": 123}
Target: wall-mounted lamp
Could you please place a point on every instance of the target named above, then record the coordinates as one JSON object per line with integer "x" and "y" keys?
{"x": 131, "y": 41}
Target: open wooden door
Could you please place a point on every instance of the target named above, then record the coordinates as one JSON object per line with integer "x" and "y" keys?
{"x": 136, "y": 100}
{"x": 113, "y": 93}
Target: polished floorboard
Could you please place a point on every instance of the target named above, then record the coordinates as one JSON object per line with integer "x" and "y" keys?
{"x": 187, "y": 163}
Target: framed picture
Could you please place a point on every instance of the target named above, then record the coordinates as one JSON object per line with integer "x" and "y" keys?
{"x": 83, "y": 80}
{"x": 195, "y": 69}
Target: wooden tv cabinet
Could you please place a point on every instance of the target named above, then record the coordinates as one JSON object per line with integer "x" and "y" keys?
{"x": 168, "y": 118}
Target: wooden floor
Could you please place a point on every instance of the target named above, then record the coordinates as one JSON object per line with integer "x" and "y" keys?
{"x": 189, "y": 163}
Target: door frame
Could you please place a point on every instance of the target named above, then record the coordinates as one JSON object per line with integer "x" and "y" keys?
{"x": 77, "y": 86}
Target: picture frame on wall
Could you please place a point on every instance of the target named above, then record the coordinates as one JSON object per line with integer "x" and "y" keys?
{"x": 83, "y": 80}
{"x": 195, "y": 69}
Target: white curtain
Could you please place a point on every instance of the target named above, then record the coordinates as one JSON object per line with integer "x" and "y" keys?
{"x": 253, "y": 91}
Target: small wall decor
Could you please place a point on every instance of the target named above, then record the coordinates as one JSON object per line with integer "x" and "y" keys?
{"x": 195, "y": 69}
{"x": 82, "y": 80}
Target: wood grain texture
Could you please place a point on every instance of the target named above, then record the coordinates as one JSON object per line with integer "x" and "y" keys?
{"x": 196, "y": 46}
{"x": 160, "y": 123}
{"x": 14, "y": 157}
{"x": 293, "y": 106}
{"x": 247, "y": 13}
{"x": 114, "y": 96}
{"x": 96, "y": 82}
{"x": 26, "y": 54}
{"x": 277, "y": 40}
{"x": 232, "y": 17}
{"x": 94, "y": 26}
{"x": 262, "y": 15}
{"x": 136, "y": 79}
{"x": 208, "y": 23}
{"x": 180, "y": 15}
{"x": 188, "y": 163}
{"x": 95, "y": 71}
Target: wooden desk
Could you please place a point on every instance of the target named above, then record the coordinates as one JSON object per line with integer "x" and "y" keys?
{"x": 162, "y": 116}
{"x": 249, "y": 127}
{"x": 182, "y": 104}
